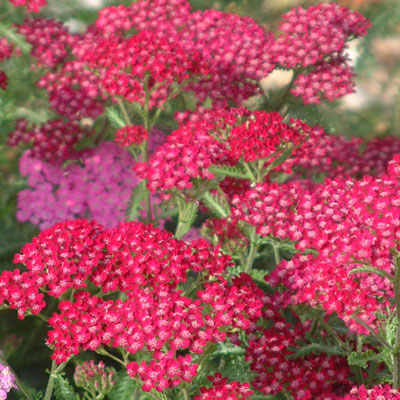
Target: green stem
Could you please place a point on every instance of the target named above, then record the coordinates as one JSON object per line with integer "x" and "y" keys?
{"x": 249, "y": 171}
{"x": 380, "y": 339}
{"x": 253, "y": 251}
{"x": 50, "y": 383}
{"x": 281, "y": 101}
{"x": 19, "y": 383}
{"x": 102, "y": 351}
{"x": 276, "y": 254}
{"x": 124, "y": 112}
{"x": 186, "y": 394}
{"x": 136, "y": 394}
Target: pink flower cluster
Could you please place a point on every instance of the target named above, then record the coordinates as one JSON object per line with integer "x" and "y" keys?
{"x": 99, "y": 186}
{"x": 221, "y": 389}
{"x": 7, "y": 381}
{"x": 261, "y": 136}
{"x": 6, "y": 49}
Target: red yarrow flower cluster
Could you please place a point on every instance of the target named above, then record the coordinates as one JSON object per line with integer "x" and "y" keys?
{"x": 52, "y": 141}
{"x": 315, "y": 40}
{"x": 142, "y": 63}
{"x": 261, "y": 136}
{"x": 378, "y": 392}
{"x": 236, "y": 49}
{"x": 188, "y": 153}
{"x": 31, "y": 5}
{"x": 50, "y": 39}
{"x": 329, "y": 80}
{"x": 3, "y": 80}
{"x": 225, "y": 137}
{"x": 309, "y": 36}
{"x": 156, "y": 318}
{"x": 270, "y": 353}
{"x": 6, "y": 49}
{"x": 348, "y": 224}
{"x": 74, "y": 91}
{"x": 221, "y": 389}
{"x": 131, "y": 135}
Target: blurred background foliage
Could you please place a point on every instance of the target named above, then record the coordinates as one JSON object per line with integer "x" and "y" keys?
{"x": 374, "y": 110}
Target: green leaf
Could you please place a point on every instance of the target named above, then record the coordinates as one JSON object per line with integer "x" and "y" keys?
{"x": 217, "y": 204}
{"x": 139, "y": 195}
{"x": 63, "y": 389}
{"x": 372, "y": 270}
{"x": 187, "y": 215}
{"x": 258, "y": 275}
{"x": 10, "y": 33}
{"x": 278, "y": 161}
{"x": 36, "y": 116}
{"x": 114, "y": 116}
{"x": 233, "y": 172}
{"x": 361, "y": 359}
{"x": 123, "y": 388}
{"x": 313, "y": 348}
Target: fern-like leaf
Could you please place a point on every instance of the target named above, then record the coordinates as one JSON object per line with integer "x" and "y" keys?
{"x": 10, "y": 33}
{"x": 233, "y": 172}
{"x": 123, "y": 389}
{"x": 313, "y": 348}
{"x": 372, "y": 270}
{"x": 187, "y": 215}
{"x": 115, "y": 117}
{"x": 63, "y": 389}
{"x": 135, "y": 205}
{"x": 216, "y": 204}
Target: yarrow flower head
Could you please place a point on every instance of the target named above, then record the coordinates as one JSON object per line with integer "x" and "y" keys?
{"x": 270, "y": 351}
{"x": 50, "y": 39}
{"x": 94, "y": 377}
{"x": 309, "y": 36}
{"x": 314, "y": 40}
{"x": 378, "y": 392}
{"x": 52, "y": 141}
{"x": 131, "y": 135}
{"x": 74, "y": 91}
{"x": 6, "y": 49}
{"x": 3, "y": 80}
{"x": 31, "y": 5}
{"x": 221, "y": 389}
{"x": 7, "y": 381}
{"x": 225, "y": 137}
{"x": 142, "y": 63}
{"x": 235, "y": 49}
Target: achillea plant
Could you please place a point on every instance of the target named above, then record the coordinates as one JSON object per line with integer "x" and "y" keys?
{"x": 206, "y": 250}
